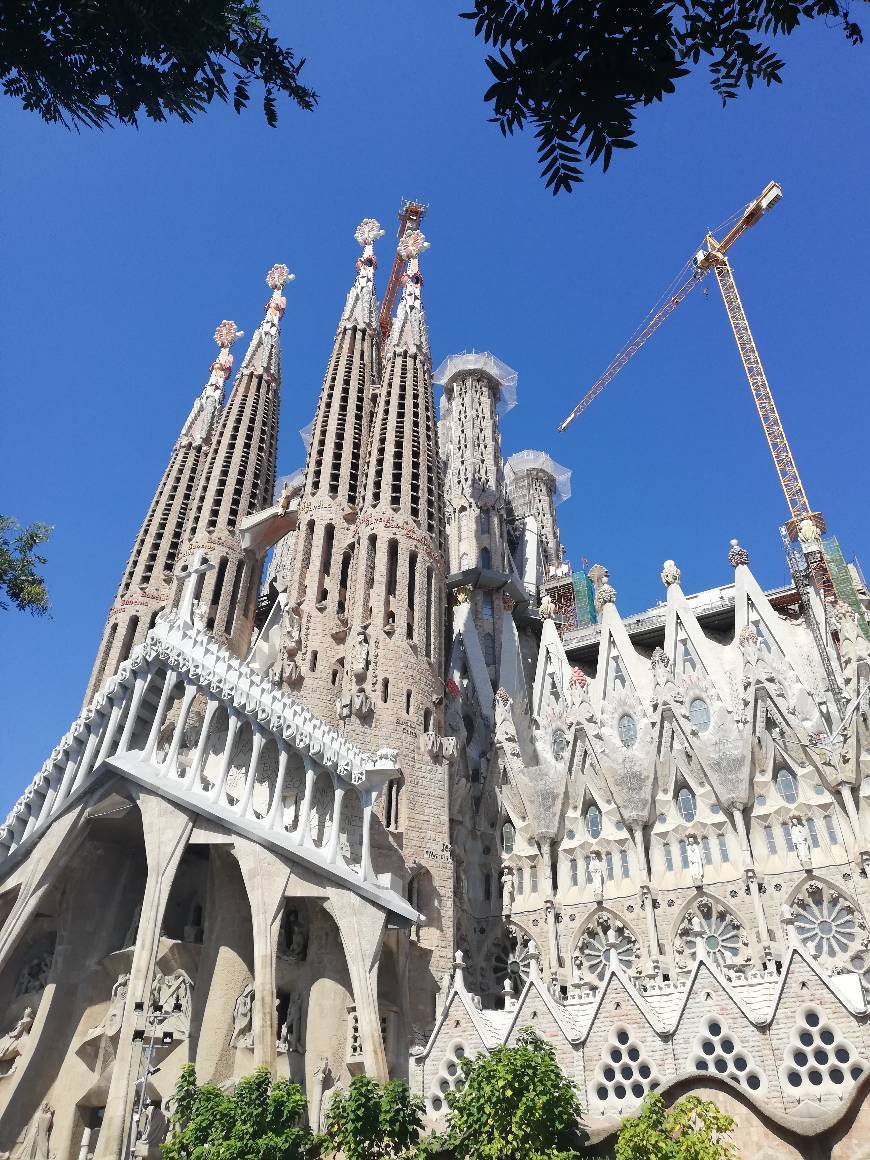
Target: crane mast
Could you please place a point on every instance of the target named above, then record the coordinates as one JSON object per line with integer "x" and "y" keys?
{"x": 410, "y": 216}
{"x": 712, "y": 256}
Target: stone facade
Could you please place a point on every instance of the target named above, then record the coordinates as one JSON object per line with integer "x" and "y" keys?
{"x": 415, "y": 810}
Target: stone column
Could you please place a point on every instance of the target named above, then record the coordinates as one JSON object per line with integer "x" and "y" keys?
{"x": 361, "y": 925}
{"x": 166, "y": 829}
{"x": 266, "y": 876}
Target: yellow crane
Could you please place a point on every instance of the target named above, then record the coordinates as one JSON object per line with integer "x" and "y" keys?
{"x": 711, "y": 256}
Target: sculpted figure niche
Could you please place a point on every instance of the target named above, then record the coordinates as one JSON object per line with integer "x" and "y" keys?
{"x": 13, "y": 1042}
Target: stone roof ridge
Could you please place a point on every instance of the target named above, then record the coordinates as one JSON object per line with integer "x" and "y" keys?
{"x": 536, "y": 983}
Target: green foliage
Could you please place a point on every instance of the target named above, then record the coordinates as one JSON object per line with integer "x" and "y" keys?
{"x": 18, "y": 564}
{"x": 95, "y": 62}
{"x": 260, "y": 1120}
{"x": 515, "y": 1103}
{"x": 577, "y": 70}
{"x": 693, "y": 1129}
{"x": 370, "y": 1121}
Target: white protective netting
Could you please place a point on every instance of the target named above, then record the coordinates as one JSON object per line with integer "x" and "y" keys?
{"x": 305, "y": 434}
{"x": 505, "y": 376}
{"x": 294, "y": 482}
{"x": 522, "y": 461}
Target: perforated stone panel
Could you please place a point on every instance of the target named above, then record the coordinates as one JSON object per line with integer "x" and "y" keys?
{"x": 717, "y": 1051}
{"x": 624, "y": 1075}
{"x": 819, "y": 1061}
{"x": 449, "y": 1077}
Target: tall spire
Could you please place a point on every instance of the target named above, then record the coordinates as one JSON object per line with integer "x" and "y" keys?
{"x": 393, "y": 684}
{"x": 321, "y": 574}
{"x": 238, "y": 478}
{"x": 147, "y": 581}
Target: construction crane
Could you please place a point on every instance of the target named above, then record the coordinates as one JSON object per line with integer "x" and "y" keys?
{"x": 711, "y": 256}
{"x": 410, "y": 216}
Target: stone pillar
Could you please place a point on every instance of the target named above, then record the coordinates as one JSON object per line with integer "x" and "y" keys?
{"x": 361, "y": 925}
{"x": 166, "y": 829}
{"x": 266, "y": 876}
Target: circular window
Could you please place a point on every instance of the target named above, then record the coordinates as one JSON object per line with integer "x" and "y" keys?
{"x": 593, "y": 822}
{"x": 699, "y": 711}
{"x": 712, "y": 942}
{"x": 627, "y": 730}
{"x": 787, "y": 786}
{"x": 686, "y": 804}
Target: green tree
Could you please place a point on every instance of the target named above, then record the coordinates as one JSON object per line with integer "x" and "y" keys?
{"x": 693, "y": 1129}
{"x": 370, "y": 1120}
{"x": 515, "y": 1103}
{"x": 19, "y": 561}
{"x": 578, "y": 70}
{"x": 260, "y": 1120}
{"x": 95, "y": 62}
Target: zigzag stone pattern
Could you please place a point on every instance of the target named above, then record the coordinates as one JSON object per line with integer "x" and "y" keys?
{"x": 427, "y": 786}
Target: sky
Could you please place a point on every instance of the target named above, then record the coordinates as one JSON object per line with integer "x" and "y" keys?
{"x": 122, "y": 250}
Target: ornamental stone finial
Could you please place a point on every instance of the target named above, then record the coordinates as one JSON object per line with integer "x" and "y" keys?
{"x": 412, "y": 244}
{"x": 225, "y": 335}
{"x": 737, "y": 555}
{"x": 670, "y": 573}
{"x": 277, "y": 279}
{"x": 368, "y": 231}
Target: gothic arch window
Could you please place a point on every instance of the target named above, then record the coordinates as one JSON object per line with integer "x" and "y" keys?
{"x": 699, "y": 711}
{"x": 593, "y": 822}
{"x": 489, "y": 648}
{"x": 627, "y": 729}
{"x": 508, "y": 835}
{"x": 787, "y": 785}
{"x": 485, "y": 558}
{"x": 484, "y": 522}
{"x": 487, "y": 606}
{"x": 687, "y": 805}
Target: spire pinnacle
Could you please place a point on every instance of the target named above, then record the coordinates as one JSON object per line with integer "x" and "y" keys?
{"x": 409, "y": 325}
{"x": 225, "y": 335}
{"x": 361, "y": 308}
{"x": 411, "y": 246}
{"x": 276, "y": 279}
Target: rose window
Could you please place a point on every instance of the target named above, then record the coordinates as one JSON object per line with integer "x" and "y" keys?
{"x": 511, "y": 961}
{"x": 604, "y": 946}
{"x": 713, "y": 929}
{"x": 825, "y": 923}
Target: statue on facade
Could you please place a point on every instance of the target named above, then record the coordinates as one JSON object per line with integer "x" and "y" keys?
{"x": 13, "y": 1042}
{"x": 293, "y": 1023}
{"x": 547, "y": 607}
{"x": 508, "y": 890}
{"x": 359, "y": 657}
{"x": 596, "y": 873}
{"x": 34, "y": 977}
{"x": 153, "y": 1127}
{"x": 319, "y": 1080}
{"x": 296, "y": 937}
{"x": 696, "y": 860}
{"x": 243, "y": 1011}
{"x": 801, "y": 841}
{"x": 37, "y": 1142}
{"x": 115, "y": 1014}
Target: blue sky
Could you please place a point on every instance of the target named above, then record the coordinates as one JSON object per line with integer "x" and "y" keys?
{"x": 123, "y": 249}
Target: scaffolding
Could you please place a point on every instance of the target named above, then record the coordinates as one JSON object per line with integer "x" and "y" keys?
{"x": 844, "y": 580}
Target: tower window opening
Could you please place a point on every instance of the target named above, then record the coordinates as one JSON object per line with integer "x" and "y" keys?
{"x": 219, "y": 581}
{"x": 814, "y": 834}
{"x": 684, "y": 854}
{"x": 669, "y": 858}
{"x": 518, "y": 878}
{"x": 608, "y": 862}
{"x": 786, "y": 833}
{"x": 724, "y": 856}
{"x": 770, "y": 838}
{"x": 392, "y": 566}
{"x": 127, "y": 642}
{"x": 593, "y": 822}
{"x": 686, "y": 804}
{"x": 344, "y": 579}
{"x": 508, "y": 836}
{"x": 409, "y": 697}
{"x": 385, "y": 689}
{"x": 391, "y": 805}
{"x": 412, "y": 594}
{"x": 312, "y": 661}
{"x": 429, "y": 587}
{"x": 485, "y": 559}
{"x": 487, "y": 886}
{"x": 573, "y": 869}
{"x": 484, "y": 522}
{"x": 706, "y": 851}
{"x": 830, "y": 827}
{"x": 624, "y": 863}
{"x": 787, "y": 786}
{"x": 488, "y": 649}
{"x": 533, "y": 879}
{"x": 234, "y": 598}
{"x": 427, "y": 720}
{"x": 554, "y": 875}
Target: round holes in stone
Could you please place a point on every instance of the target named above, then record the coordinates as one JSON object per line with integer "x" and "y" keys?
{"x": 449, "y": 1077}
{"x": 819, "y": 1061}
{"x": 718, "y": 1052}
{"x": 624, "y": 1075}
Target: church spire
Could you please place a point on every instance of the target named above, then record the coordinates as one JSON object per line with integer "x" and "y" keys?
{"x": 145, "y": 587}
{"x": 238, "y": 479}
{"x": 409, "y": 329}
{"x": 321, "y": 573}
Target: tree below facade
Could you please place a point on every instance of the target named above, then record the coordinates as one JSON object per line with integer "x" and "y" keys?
{"x": 693, "y": 1129}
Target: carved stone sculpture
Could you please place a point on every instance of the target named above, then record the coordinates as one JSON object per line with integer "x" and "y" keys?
{"x": 153, "y": 1127}
{"x": 801, "y": 841}
{"x": 696, "y": 860}
{"x": 38, "y": 1139}
{"x": 319, "y": 1081}
{"x": 243, "y": 1035}
{"x": 508, "y": 891}
{"x": 13, "y": 1042}
{"x": 670, "y": 573}
{"x": 293, "y": 1023}
{"x": 596, "y": 873}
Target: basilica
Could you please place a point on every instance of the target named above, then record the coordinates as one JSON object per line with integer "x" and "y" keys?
{"x": 368, "y": 778}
